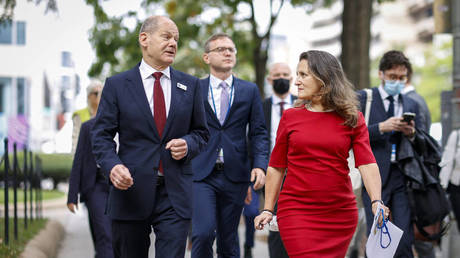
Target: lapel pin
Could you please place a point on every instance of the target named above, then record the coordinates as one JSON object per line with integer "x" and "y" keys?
{"x": 182, "y": 86}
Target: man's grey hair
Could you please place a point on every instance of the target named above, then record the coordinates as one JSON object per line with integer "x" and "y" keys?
{"x": 215, "y": 37}
{"x": 92, "y": 85}
{"x": 151, "y": 24}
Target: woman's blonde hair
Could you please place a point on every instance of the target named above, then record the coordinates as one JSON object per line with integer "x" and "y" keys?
{"x": 337, "y": 93}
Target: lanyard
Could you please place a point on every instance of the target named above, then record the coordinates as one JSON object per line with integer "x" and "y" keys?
{"x": 382, "y": 228}
{"x": 229, "y": 103}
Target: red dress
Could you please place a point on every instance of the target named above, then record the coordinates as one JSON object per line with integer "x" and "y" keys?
{"x": 317, "y": 213}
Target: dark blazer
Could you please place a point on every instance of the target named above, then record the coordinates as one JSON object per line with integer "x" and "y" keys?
{"x": 380, "y": 143}
{"x": 124, "y": 109}
{"x": 267, "y": 106}
{"x": 245, "y": 118}
{"x": 84, "y": 169}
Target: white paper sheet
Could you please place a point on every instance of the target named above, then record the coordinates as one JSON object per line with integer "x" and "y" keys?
{"x": 382, "y": 242}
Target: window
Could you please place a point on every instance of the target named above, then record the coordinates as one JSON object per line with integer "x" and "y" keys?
{"x": 6, "y": 32}
{"x": 5, "y": 83}
{"x": 66, "y": 59}
{"x": 20, "y": 33}
{"x": 21, "y": 92}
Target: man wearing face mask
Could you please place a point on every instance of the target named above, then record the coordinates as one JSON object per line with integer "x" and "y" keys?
{"x": 386, "y": 129}
{"x": 279, "y": 76}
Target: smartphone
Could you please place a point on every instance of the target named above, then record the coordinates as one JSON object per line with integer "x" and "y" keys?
{"x": 408, "y": 116}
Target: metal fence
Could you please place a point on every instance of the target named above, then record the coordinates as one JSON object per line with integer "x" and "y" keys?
{"x": 28, "y": 178}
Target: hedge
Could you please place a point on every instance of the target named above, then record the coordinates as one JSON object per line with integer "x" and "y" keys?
{"x": 54, "y": 166}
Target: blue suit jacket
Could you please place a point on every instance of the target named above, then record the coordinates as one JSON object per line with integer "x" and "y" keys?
{"x": 233, "y": 135}
{"x": 380, "y": 143}
{"x": 84, "y": 169}
{"x": 124, "y": 109}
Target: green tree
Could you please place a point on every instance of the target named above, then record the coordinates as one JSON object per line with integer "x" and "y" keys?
{"x": 9, "y": 5}
{"x": 117, "y": 48}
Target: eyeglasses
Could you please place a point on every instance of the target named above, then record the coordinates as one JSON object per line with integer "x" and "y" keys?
{"x": 221, "y": 50}
{"x": 394, "y": 77}
{"x": 95, "y": 93}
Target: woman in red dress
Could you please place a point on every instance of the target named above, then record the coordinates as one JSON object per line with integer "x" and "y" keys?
{"x": 317, "y": 213}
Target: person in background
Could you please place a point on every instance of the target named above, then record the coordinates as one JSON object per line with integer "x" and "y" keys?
{"x": 223, "y": 172}
{"x": 93, "y": 92}
{"x": 87, "y": 181}
{"x": 317, "y": 213}
{"x": 386, "y": 131}
{"x": 280, "y": 78}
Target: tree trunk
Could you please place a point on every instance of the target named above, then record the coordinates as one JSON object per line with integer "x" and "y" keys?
{"x": 356, "y": 36}
{"x": 260, "y": 64}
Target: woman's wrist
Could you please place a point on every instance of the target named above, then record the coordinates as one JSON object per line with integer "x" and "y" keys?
{"x": 377, "y": 201}
{"x": 269, "y": 211}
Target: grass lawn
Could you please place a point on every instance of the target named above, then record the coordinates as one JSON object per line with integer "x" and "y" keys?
{"x": 15, "y": 247}
{"x": 47, "y": 195}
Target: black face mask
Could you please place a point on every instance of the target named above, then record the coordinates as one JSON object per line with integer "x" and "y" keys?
{"x": 281, "y": 86}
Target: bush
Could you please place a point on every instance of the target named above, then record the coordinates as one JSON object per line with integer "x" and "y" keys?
{"x": 55, "y": 166}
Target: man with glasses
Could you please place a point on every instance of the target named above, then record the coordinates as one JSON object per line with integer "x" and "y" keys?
{"x": 224, "y": 170}
{"x": 386, "y": 129}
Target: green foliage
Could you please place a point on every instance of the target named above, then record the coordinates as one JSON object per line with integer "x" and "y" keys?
{"x": 9, "y": 5}
{"x": 435, "y": 76}
{"x": 55, "y": 166}
{"x": 117, "y": 47}
{"x": 15, "y": 247}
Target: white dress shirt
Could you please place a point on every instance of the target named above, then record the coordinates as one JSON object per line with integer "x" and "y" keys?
{"x": 276, "y": 115}
{"x": 148, "y": 81}
{"x": 386, "y": 103}
{"x": 216, "y": 92}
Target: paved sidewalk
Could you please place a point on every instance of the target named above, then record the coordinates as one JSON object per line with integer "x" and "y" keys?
{"x": 78, "y": 243}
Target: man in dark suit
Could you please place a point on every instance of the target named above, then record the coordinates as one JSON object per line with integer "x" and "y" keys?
{"x": 280, "y": 77}
{"x": 222, "y": 172}
{"x": 159, "y": 116}
{"x": 424, "y": 249}
{"x": 386, "y": 130}
{"x": 88, "y": 181}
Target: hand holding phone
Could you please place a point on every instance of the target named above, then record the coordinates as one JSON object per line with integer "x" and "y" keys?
{"x": 408, "y": 117}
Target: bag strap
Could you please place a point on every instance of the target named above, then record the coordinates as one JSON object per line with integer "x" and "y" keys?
{"x": 368, "y": 105}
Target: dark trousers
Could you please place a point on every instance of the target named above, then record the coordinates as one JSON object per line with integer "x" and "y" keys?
{"x": 100, "y": 223}
{"x": 250, "y": 212}
{"x": 217, "y": 206}
{"x": 394, "y": 196}
{"x": 275, "y": 245}
{"x": 132, "y": 238}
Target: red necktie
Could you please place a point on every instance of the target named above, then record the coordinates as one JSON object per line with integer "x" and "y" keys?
{"x": 282, "y": 108}
{"x": 159, "y": 108}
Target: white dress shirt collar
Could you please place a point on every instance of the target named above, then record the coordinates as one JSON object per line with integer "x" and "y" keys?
{"x": 385, "y": 95}
{"x": 146, "y": 70}
{"x": 407, "y": 89}
{"x": 276, "y": 100}
{"x": 214, "y": 81}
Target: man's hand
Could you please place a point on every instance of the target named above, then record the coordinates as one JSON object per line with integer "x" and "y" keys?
{"x": 248, "y": 199}
{"x": 178, "y": 148}
{"x": 121, "y": 177}
{"x": 391, "y": 124}
{"x": 72, "y": 207}
{"x": 408, "y": 129}
{"x": 258, "y": 175}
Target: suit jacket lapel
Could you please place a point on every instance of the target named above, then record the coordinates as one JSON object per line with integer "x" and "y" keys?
{"x": 175, "y": 77}
{"x": 378, "y": 105}
{"x": 205, "y": 87}
{"x": 237, "y": 88}
{"x": 268, "y": 113}
{"x": 137, "y": 89}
